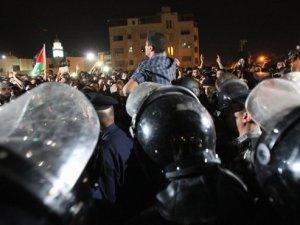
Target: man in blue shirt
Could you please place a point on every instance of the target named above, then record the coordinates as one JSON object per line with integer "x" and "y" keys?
{"x": 115, "y": 147}
{"x": 159, "y": 68}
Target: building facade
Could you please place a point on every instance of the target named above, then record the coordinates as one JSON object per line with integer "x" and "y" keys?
{"x": 127, "y": 38}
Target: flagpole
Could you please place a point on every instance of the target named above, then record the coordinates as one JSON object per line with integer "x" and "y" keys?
{"x": 45, "y": 69}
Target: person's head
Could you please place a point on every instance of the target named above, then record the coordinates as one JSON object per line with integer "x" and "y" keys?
{"x": 5, "y": 90}
{"x": 280, "y": 65}
{"x": 155, "y": 43}
{"x": 232, "y": 91}
{"x": 174, "y": 130}
{"x": 124, "y": 76}
{"x": 195, "y": 73}
{"x": 208, "y": 85}
{"x": 104, "y": 106}
{"x": 231, "y": 95}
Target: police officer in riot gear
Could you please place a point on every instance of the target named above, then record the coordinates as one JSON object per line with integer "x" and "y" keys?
{"x": 177, "y": 133}
{"x": 47, "y": 138}
{"x": 231, "y": 92}
{"x": 232, "y": 95}
{"x": 275, "y": 105}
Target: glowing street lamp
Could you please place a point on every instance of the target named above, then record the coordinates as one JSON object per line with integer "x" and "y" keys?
{"x": 105, "y": 69}
{"x": 90, "y": 56}
{"x": 262, "y": 58}
{"x": 3, "y": 56}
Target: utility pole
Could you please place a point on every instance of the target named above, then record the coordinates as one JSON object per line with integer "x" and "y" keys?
{"x": 242, "y": 45}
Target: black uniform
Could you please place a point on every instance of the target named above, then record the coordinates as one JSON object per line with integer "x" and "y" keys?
{"x": 177, "y": 133}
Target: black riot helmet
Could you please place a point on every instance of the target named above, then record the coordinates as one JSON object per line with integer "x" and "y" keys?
{"x": 175, "y": 130}
{"x": 277, "y": 154}
{"x": 188, "y": 83}
{"x": 232, "y": 90}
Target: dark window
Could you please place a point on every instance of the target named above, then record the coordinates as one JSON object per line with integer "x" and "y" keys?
{"x": 130, "y": 62}
{"x": 143, "y": 49}
{"x": 196, "y": 61}
{"x": 169, "y": 24}
{"x": 133, "y": 22}
{"x": 185, "y": 32}
{"x": 196, "y": 49}
{"x": 129, "y": 36}
{"x": 51, "y": 65}
{"x": 119, "y": 50}
{"x": 120, "y": 63}
{"x": 195, "y": 37}
{"x": 186, "y": 58}
{"x": 118, "y": 38}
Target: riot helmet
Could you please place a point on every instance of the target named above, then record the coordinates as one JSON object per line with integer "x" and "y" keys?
{"x": 175, "y": 130}
{"x": 271, "y": 100}
{"x": 277, "y": 154}
{"x": 232, "y": 90}
{"x": 47, "y": 138}
{"x": 188, "y": 83}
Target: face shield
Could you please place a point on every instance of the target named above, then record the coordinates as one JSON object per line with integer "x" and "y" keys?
{"x": 293, "y": 76}
{"x": 271, "y": 100}
{"x": 51, "y": 133}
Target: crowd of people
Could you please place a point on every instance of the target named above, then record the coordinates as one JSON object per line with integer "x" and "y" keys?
{"x": 203, "y": 145}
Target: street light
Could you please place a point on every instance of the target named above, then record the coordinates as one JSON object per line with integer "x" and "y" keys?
{"x": 105, "y": 69}
{"x": 90, "y": 56}
{"x": 262, "y": 59}
{"x": 3, "y": 56}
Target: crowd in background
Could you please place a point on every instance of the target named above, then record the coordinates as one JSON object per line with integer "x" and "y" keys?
{"x": 204, "y": 81}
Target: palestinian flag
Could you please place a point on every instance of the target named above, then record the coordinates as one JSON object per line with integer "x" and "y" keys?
{"x": 40, "y": 63}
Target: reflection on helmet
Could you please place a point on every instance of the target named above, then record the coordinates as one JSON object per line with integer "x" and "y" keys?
{"x": 138, "y": 95}
{"x": 175, "y": 130}
{"x": 293, "y": 76}
{"x": 232, "y": 90}
{"x": 271, "y": 100}
{"x": 277, "y": 164}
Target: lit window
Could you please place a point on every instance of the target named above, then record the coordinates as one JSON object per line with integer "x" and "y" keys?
{"x": 171, "y": 50}
{"x": 186, "y": 45}
{"x": 130, "y": 50}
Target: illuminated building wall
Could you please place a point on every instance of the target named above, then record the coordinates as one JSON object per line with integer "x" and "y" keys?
{"x": 127, "y": 38}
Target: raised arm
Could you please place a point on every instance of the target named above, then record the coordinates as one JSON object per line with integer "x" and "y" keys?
{"x": 201, "y": 62}
{"x": 218, "y": 60}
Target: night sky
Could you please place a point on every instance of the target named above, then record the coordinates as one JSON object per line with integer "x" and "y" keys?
{"x": 271, "y": 27}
